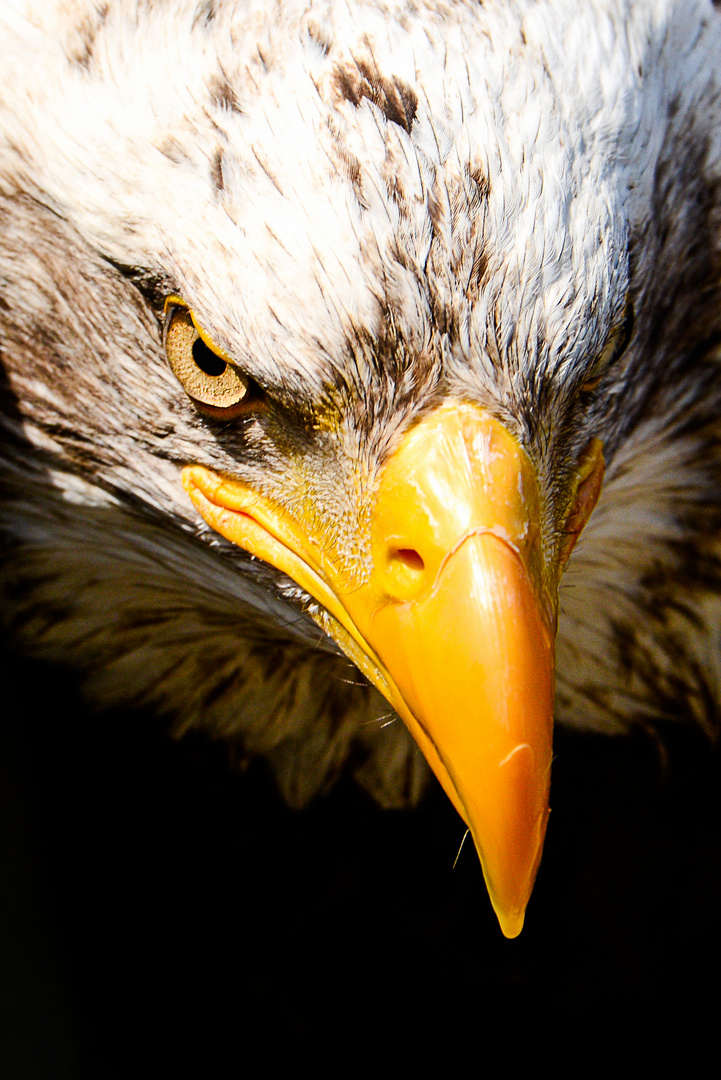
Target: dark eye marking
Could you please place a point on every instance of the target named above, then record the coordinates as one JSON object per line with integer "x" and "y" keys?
{"x": 208, "y": 361}
{"x": 616, "y": 344}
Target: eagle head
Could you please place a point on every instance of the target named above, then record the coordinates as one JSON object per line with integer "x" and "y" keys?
{"x": 321, "y": 328}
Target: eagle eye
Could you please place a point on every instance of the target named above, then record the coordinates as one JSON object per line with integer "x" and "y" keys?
{"x": 201, "y": 369}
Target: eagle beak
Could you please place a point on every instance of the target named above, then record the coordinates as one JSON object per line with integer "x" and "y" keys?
{"x": 454, "y": 620}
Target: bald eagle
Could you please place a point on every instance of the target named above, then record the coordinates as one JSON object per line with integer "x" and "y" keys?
{"x": 336, "y": 332}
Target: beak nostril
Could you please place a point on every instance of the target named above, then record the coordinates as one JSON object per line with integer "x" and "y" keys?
{"x": 409, "y": 558}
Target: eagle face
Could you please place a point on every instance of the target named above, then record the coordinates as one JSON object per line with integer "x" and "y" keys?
{"x": 332, "y": 319}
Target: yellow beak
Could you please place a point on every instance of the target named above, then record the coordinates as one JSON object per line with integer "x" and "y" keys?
{"x": 454, "y": 619}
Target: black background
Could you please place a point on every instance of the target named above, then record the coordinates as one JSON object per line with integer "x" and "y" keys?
{"x": 159, "y": 909}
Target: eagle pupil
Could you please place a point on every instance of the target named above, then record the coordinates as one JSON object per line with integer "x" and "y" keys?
{"x": 208, "y": 361}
